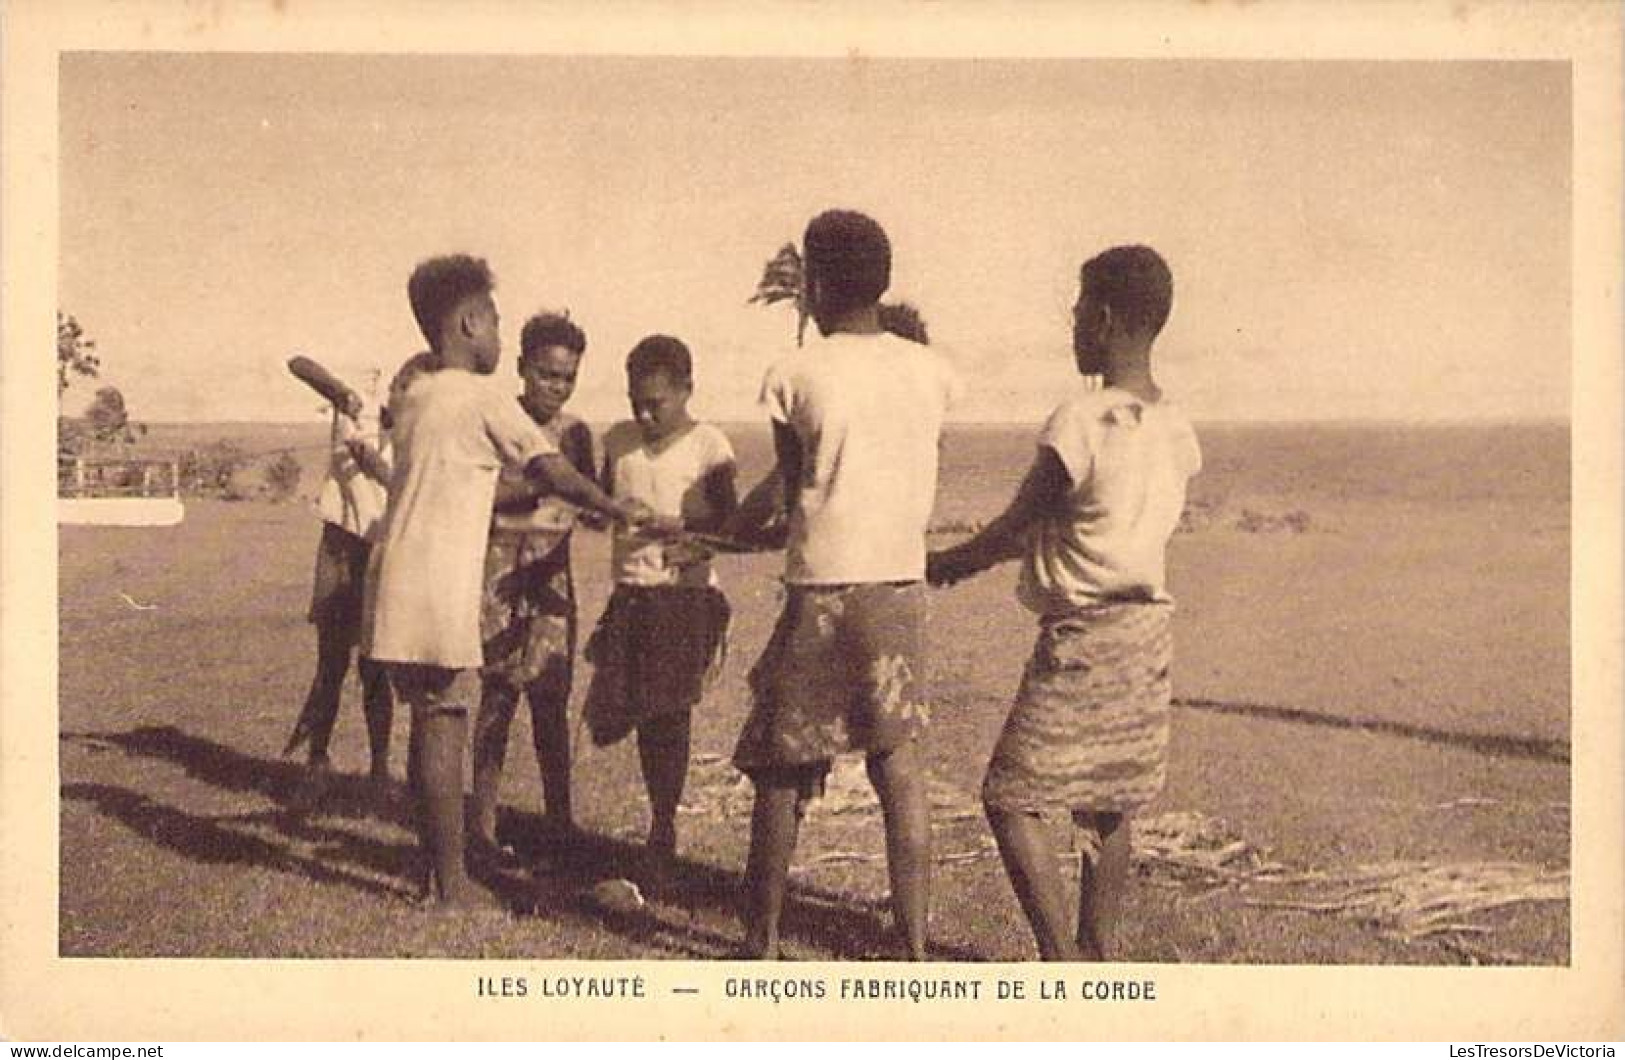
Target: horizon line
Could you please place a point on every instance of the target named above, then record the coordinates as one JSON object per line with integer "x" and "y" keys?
{"x": 1304, "y": 421}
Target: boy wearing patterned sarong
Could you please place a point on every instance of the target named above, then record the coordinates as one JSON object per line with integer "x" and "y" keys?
{"x": 856, "y": 422}
{"x": 528, "y": 610}
{"x": 1088, "y": 733}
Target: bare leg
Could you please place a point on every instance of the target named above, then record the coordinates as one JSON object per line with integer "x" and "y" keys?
{"x": 899, "y": 780}
{"x": 498, "y": 700}
{"x": 1036, "y": 878}
{"x": 1101, "y": 884}
{"x": 334, "y": 642}
{"x": 774, "y": 823}
{"x": 378, "y": 705}
{"x": 444, "y": 732}
{"x": 416, "y": 788}
{"x": 549, "y": 700}
{"x": 663, "y": 750}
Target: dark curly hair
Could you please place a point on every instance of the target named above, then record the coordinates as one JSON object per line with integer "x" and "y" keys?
{"x": 546, "y": 330}
{"x": 661, "y": 353}
{"x": 1135, "y": 282}
{"x": 439, "y": 285}
{"x": 851, "y": 256}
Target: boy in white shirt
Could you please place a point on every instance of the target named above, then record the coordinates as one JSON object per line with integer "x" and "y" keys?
{"x": 664, "y": 630}
{"x": 351, "y": 505}
{"x": 453, "y": 431}
{"x": 1088, "y": 734}
{"x": 856, "y": 422}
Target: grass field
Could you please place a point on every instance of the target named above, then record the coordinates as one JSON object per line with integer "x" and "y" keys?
{"x": 1372, "y": 696}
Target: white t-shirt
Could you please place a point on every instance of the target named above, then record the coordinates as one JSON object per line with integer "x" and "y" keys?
{"x": 349, "y": 499}
{"x": 453, "y": 432}
{"x": 671, "y": 482}
{"x": 552, "y": 514}
{"x": 868, "y": 412}
{"x": 1129, "y": 461}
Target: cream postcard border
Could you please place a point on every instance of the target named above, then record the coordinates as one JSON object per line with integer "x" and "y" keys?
{"x": 44, "y": 997}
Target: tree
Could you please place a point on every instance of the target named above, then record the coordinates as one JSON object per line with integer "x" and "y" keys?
{"x": 75, "y": 354}
{"x": 904, "y": 321}
{"x": 782, "y": 282}
{"x": 109, "y": 420}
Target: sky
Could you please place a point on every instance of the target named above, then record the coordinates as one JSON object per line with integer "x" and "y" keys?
{"x": 1349, "y": 240}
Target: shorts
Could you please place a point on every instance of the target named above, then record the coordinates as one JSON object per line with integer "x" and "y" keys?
{"x": 337, "y": 590}
{"x": 654, "y": 652}
{"x": 843, "y": 671}
{"x": 430, "y": 689}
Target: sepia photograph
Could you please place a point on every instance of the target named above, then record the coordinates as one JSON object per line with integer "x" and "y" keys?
{"x": 555, "y": 519}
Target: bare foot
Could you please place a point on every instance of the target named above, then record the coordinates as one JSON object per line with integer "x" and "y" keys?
{"x": 472, "y": 899}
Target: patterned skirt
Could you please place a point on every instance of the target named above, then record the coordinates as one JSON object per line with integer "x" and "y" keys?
{"x": 1089, "y": 728}
{"x": 528, "y": 607}
{"x": 843, "y": 671}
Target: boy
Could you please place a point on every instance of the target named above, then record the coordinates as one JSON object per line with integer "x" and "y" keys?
{"x": 528, "y": 610}
{"x": 664, "y": 629}
{"x": 452, "y": 432}
{"x": 1088, "y": 733}
{"x": 351, "y": 505}
{"x": 856, "y": 422}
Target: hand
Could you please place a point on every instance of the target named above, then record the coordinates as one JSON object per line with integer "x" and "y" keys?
{"x": 943, "y": 569}
{"x": 639, "y": 516}
{"x": 685, "y": 552}
{"x": 351, "y": 405}
{"x": 772, "y": 534}
{"x": 662, "y": 526}
{"x": 349, "y": 430}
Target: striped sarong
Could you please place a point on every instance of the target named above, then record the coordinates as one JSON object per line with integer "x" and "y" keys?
{"x": 1089, "y": 728}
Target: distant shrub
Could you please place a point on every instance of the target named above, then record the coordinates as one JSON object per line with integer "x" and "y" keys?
{"x": 1220, "y": 514}
{"x": 1251, "y": 521}
{"x": 1199, "y": 515}
{"x": 208, "y": 471}
{"x": 282, "y": 476}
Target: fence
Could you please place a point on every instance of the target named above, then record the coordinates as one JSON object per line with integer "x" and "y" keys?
{"x": 80, "y": 477}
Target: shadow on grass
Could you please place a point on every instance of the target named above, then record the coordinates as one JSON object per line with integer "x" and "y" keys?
{"x": 222, "y": 840}
{"x": 279, "y": 780}
{"x": 1556, "y": 751}
{"x": 834, "y": 925}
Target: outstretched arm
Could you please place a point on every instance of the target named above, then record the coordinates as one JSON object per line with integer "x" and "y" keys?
{"x": 1041, "y": 491}
{"x": 372, "y": 462}
{"x": 557, "y": 475}
{"x": 760, "y": 512}
{"x": 368, "y": 457}
{"x": 520, "y": 493}
{"x": 722, "y": 498}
